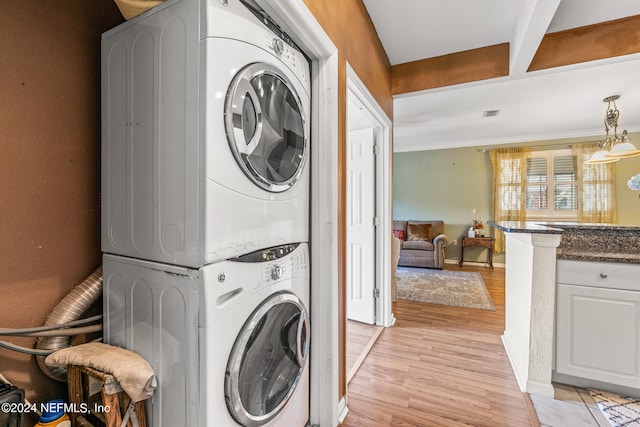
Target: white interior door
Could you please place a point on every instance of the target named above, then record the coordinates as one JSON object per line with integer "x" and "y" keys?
{"x": 360, "y": 226}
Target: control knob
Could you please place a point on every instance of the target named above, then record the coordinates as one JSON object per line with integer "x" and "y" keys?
{"x": 278, "y": 46}
{"x": 276, "y": 272}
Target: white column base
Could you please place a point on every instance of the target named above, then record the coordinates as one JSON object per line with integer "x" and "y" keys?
{"x": 530, "y": 278}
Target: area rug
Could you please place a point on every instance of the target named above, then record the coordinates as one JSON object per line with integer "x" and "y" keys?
{"x": 619, "y": 411}
{"x": 456, "y": 288}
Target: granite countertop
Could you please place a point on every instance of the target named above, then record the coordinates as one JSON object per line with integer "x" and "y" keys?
{"x": 593, "y": 226}
{"x": 585, "y": 242}
{"x": 557, "y": 227}
{"x": 524, "y": 227}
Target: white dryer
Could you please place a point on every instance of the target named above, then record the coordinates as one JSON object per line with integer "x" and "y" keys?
{"x": 205, "y": 135}
{"x": 229, "y": 342}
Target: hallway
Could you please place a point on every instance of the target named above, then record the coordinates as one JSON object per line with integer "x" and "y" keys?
{"x": 440, "y": 366}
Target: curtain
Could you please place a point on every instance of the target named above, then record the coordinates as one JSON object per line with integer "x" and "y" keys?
{"x": 509, "y": 178}
{"x": 596, "y": 187}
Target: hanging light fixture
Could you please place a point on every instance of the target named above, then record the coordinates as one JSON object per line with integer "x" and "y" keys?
{"x": 615, "y": 147}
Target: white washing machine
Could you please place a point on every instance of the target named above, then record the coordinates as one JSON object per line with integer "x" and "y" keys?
{"x": 248, "y": 319}
{"x": 205, "y": 135}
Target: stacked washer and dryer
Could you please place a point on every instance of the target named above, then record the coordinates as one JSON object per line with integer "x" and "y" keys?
{"x": 205, "y": 211}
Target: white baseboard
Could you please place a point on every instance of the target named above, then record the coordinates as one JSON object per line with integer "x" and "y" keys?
{"x": 535, "y": 387}
{"x": 522, "y": 382}
{"x": 342, "y": 410}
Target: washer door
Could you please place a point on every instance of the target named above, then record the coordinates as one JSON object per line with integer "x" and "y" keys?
{"x": 267, "y": 360}
{"x": 265, "y": 127}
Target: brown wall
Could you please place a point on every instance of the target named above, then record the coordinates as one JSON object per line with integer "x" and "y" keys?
{"x": 350, "y": 28}
{"x": 348, "y": 25}
{"x": 49, "y": 164}
{"x": 50, "y": 153}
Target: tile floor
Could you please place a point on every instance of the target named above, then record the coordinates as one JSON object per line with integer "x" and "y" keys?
{"x": 571, "y": 407}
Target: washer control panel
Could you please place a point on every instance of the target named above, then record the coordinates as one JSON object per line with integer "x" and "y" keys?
{"x": 260, "y": 269}
{"x": 292, "y": 265}
{"x": 268, "y": 254}
{"x": 279, "y": 262}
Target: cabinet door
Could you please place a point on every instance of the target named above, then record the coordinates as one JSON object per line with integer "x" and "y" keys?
{"x": 598, "y": 334}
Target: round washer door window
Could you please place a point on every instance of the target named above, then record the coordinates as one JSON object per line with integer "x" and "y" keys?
{"x": 267, "y": 360}
{"x": 265, "y": 127}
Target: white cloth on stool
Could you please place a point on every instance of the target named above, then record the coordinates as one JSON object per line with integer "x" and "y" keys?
{"x": 135, "y": 374}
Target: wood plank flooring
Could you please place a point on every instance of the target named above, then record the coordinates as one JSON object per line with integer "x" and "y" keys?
{"x": 439, "y": 366}
{"x": 360, "y": 339}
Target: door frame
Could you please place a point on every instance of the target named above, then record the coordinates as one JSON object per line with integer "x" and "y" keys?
{"x": 381, "y": 124}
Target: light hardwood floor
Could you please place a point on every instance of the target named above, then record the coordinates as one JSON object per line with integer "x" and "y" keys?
{"x": 360, "y": 339}
{"x": 440, "y": 366}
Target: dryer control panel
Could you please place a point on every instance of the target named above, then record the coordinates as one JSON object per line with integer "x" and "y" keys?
{"x": 292, "y": 57}
{"x": 279, "y": 42}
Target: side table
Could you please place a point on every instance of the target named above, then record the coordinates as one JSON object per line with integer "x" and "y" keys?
{"x": 483, "y": 242}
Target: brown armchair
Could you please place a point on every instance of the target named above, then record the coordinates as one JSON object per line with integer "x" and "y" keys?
{"x": 423, "y": 243}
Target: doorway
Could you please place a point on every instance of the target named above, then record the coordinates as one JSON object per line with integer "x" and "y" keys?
{"x": 368, "y": 218}
{"x": 368, "y": 236}
{"x": 361, "y": 218}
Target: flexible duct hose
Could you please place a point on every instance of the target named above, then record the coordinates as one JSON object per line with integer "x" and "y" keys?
{"x": 71, "y": 308}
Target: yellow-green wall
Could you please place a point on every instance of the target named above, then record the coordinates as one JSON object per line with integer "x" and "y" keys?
{"x": 627, "y": 199}
{"x": 445, "y": 185}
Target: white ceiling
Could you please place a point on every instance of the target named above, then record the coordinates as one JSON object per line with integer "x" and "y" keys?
{"x": 578, "y": 13}
{"x": 415, "y": 29}
{"x": 562, "y": 102}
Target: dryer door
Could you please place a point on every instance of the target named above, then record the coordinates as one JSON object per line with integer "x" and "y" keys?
{"x": 266, "y": 127}
{"x": 267, "y": 360}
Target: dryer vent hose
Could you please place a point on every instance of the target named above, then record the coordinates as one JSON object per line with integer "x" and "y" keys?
{"x": 71, "y": 308}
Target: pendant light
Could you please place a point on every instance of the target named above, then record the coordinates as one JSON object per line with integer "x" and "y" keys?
{"x": 613, "y": 148}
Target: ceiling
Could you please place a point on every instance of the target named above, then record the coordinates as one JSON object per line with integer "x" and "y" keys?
{"x": 551, "y": 104}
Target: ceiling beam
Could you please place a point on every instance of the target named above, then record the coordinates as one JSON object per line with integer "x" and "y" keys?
{"x": 456, "y": 68}
{"x": 533, "y": 21}
{"x": 588, "y": 43}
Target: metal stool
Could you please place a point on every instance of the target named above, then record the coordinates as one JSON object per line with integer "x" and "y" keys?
{"x": 97, "y": 399}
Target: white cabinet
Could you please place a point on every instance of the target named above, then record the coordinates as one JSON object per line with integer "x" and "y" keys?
{"x": 598, "y": 322}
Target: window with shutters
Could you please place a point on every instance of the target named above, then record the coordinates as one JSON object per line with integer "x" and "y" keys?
{"x": 551, "y": 187}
